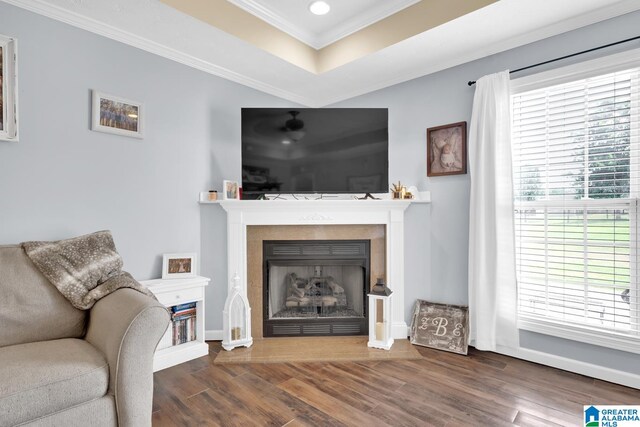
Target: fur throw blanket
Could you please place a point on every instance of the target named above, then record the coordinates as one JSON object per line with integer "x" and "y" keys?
{"x": 84, "y": 269}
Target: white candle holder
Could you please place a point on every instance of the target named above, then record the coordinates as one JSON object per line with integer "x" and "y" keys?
{"x": 380, "y": 316}
{"x": 236, "y": 319}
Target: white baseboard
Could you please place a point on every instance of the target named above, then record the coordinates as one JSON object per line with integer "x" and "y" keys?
{"x": 577, "y": 367}
{"x": 213, "y": 335}
{"x": 595, "y": 371}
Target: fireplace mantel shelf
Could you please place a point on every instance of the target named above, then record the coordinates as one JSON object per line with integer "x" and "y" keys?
{"x": 316, "y": 203}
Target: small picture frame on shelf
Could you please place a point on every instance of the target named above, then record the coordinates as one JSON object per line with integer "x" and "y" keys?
{"x": 112, "y": 114}
{"x": 230, "y": 190}
{"x": 178, "y": 266}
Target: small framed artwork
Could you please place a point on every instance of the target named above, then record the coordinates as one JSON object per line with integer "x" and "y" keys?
{"x": 230, "y": 191}
{"x": 440, "y": 326}
{"x": 447, "y": 149}
{"x": 176, "y": 266}
{"x": 112, "y": 114}
{"x": 8, "y": 89}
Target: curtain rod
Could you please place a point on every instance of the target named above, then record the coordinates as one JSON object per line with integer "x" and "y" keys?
{"x": 472, "y": 82}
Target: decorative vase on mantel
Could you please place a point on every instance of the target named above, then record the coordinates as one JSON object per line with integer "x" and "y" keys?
{"x": 236, "y": 319}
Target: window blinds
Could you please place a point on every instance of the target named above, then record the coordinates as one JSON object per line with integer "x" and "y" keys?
{"x": 575, "y": 165}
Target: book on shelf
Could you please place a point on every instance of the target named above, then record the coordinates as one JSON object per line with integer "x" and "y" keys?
{"x": 183, "y": 324}
{"x": 181, "y": 307}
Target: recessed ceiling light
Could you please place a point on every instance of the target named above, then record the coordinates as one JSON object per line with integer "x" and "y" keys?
{"x": 319, "y": 8}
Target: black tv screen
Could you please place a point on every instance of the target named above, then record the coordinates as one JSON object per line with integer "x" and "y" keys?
{"x": 314, "y": 150}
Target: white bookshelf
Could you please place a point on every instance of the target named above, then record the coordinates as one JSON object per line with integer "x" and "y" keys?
{"x": 172, "y": 292}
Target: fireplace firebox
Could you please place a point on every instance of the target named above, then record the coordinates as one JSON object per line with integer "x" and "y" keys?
{"x": 315, "y": 287}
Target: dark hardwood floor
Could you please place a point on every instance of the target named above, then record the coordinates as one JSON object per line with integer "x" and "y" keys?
{"x": 442, "y": 389}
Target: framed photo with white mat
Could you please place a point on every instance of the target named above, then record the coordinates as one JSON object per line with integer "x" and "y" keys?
{"x": 179, "y": 266}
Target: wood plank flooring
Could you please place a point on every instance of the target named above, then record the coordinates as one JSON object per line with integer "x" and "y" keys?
{"x": 440, "y": 389}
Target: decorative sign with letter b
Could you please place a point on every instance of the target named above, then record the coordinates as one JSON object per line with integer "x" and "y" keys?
{"x": 440, "y": 326}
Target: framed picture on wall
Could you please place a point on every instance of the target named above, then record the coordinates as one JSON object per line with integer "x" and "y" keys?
{"x": 230, "y": 190}
{"x": 447, "y": 149}
{"x": 176, "y": 266}
{"x": 112, "y": 114}
{"x": 8, "y": 89}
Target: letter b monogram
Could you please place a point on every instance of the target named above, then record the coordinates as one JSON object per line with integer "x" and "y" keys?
{"x": 441, "y": 326}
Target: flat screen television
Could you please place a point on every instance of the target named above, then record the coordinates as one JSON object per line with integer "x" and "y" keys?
{"x": 314, "y": 150}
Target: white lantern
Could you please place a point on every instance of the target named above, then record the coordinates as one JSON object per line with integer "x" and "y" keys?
{"x": 380, "y": 316}
{"x": 236, "y": 319}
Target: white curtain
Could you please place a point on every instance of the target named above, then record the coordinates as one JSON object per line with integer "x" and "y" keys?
{"x": 492, "y": 270}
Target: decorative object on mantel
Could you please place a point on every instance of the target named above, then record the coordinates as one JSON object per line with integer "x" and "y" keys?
{"x": 112, "y": 114}
{"x": 380, "y": 316}
{"x": 177, "y": 266}
{"x": 440, "y": 326}
{"x": 8, "y": 89}
{"x": 398, "y": 191}
{"x": 230, "y": 190}
{"x": 412, "y": 193}
{"x": 236, "y": 318}
{"x": 447, "y": 149}
{"x": 213, "y": 195}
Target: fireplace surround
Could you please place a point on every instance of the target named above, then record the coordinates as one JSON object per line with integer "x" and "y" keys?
{"x": 386, "y": 213}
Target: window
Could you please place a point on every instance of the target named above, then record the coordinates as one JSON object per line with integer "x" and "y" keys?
{"x": 575, "y": 140}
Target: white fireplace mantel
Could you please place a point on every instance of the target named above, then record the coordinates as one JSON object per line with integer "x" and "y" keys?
{"x": 242, "y": 213}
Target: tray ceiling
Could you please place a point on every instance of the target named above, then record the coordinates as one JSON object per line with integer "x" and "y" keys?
{"x": 386, "y": 52}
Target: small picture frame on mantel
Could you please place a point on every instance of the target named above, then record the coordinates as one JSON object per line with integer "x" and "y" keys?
{"x": 230, "y": 190}
{"x": 179, "y": 266}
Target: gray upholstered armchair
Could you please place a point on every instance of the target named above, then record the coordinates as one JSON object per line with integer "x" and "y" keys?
{"x": 64, "y": 366}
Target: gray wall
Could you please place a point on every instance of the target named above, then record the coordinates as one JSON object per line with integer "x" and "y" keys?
{"x": 437, "y": 234}
{"x": 62, "y": 179}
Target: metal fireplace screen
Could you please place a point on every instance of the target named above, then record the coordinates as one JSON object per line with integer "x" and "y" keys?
{"x": 315, "y": 287}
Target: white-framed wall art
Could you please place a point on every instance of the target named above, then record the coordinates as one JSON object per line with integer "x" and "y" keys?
{"x": 179, "y": 266}
{"x": 8, "y": 89}
{"x": 113, "y": 114}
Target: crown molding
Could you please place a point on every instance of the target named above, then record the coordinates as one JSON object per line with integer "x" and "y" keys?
{"x": 552, "y": 30}
{"x": 275, "y": 20}
{"x": 318, "y": 41}
{"x": 339, "y": 83}
{"x": 362, "y": 21}
{"x": 89, "y": 24}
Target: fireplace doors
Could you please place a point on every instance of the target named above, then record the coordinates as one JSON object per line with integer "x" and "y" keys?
{"x": 315, "y": 287}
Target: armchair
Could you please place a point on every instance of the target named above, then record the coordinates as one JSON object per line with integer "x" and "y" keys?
{"x": 64, "y": 366}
